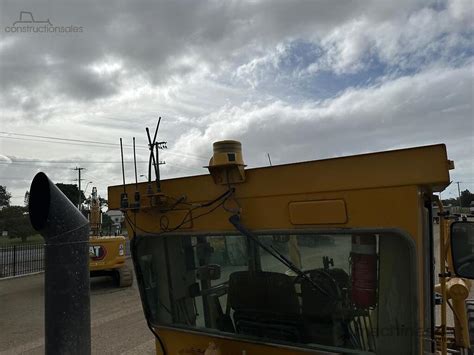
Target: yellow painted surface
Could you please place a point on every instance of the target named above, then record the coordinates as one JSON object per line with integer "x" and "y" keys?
{"x": 112, "y": 259}
{"x": 380, "y": 190}
{"x": 416, "y": 166}
{"x": 394, "y": 207}
{"x": 181, "y": 342}
{"x": 318, "y": 212}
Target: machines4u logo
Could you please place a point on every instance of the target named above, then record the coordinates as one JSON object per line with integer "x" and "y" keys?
{"x": 97, "y": 252}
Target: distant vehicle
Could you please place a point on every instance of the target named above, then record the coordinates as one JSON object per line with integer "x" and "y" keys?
{"x": 106, "y": 253}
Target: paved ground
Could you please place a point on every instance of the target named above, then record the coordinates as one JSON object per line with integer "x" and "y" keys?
{"x": 118, "y": 324}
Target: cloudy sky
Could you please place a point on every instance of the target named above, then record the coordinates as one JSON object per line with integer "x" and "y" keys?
{"x": 301, "y": 80}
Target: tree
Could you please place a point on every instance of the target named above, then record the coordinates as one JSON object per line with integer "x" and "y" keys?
{"x": 4, "y": 196}
{"x": 72, "y": 192}
{"x": 16, "y": 221}
{"x": 466, "y": 198}
{"x": 107, "y": 224}
{"x": 451, "y": 202}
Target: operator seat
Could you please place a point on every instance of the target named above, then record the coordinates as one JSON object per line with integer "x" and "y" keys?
{"x": 265, "y": 305}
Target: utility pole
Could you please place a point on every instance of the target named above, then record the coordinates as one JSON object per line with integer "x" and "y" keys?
{"x": 459, "y": 194}
{"x": 79, "y": 202}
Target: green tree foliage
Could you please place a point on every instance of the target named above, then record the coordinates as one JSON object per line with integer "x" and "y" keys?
{"x": 107, "y": 224}
{"x": 72, "y": 192}
{"x": 466, "y": 198}
{"x": 451, "y": 202}
{"x": 4, "y": 196}
{"x": 16, "y": 221}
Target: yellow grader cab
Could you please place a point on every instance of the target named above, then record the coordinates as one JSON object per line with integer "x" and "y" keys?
{"x": 106, "y": 253}
{"x": 321, "y": 257}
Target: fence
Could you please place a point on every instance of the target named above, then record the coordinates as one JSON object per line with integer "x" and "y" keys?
{"x": 26, "y": 259}
{"x": 21, "y": 259}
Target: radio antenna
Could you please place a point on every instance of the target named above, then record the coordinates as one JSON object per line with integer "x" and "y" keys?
{"x": 124, "y": 199}
{"x": 136, "y": 203}
{"x": 123, "y": 167}
{"x": 135, "y": 164}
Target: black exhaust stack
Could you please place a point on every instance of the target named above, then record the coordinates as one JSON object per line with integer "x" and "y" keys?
{"x": 67, "y": 290}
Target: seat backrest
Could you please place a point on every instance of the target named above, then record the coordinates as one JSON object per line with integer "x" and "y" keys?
{"x": 263, "y": 291}
{"x": 265, "y": 305}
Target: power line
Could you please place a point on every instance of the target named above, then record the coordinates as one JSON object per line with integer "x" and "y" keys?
{"x": 34, "y": 162}
{"x": 89, "y": 143}
{"x": 65, "y": 139}
{"x": 187, "y": 155}
{"x": 97, "y": 145}
{"x": 188, "y": 168}
{"x": 15, "y": 178}
{"x": 37, "y": 166}
{"x": 44, "y": 163}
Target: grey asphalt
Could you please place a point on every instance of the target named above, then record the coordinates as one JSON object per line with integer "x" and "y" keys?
{"x": 118, "y": 324}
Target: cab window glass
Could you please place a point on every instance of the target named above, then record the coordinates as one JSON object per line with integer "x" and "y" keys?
{"x": 346, "y": 291}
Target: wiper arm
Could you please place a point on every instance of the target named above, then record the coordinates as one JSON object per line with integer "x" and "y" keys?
{"x": 235, "y": 221}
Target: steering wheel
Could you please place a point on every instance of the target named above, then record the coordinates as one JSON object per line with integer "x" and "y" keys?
{"x": 324, "y": 290}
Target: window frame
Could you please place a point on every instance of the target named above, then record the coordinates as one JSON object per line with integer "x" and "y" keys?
{"x": 414, "y": 282}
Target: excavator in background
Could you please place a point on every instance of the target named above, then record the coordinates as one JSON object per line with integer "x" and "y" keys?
{"x": 106, "y": 253}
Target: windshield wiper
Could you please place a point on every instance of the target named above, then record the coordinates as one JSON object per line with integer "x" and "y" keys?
{"x": 235, "y": 221}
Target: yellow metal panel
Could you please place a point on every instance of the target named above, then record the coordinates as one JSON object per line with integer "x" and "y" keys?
{"x": 425, "y": 166}
{"x": 186, "y": 343}
{"x": 318, "y": 212}
{"x": 380, "y": 190}
{"x": 377, "y": 208}
{"x": 112, "y": 259}
{"x": 153, "y": 220}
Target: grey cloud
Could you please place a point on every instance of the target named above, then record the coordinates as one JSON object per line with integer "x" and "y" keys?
{"x": 181, "y": 60}
{"x": 84, "y": 84}
{"x": 414, "y": 110}
{"x": 149, "y": 37}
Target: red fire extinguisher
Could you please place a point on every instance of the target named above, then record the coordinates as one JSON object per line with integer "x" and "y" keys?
{"x": 364, "y": 271}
